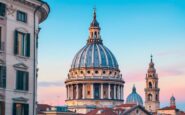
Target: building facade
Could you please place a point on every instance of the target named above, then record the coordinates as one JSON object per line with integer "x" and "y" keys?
{"x": 152, "y": 102}
{"x": 19, "y": 29}
{"x": 94, "y": 79}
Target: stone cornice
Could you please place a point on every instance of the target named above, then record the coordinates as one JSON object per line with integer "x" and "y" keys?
{"x": 44, "y": 10}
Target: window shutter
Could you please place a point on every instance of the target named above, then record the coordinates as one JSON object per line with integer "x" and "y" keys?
{"x": 19, "y": 80}
{"x": 27, "y": 81}
{"x": 26, "y": 109}
{"x": 4, "y": 76}
{"x": 17, "y": 76}
{"x": 28, "y": 45}
{"x": 16, "y": 42}
{"x": 14, "y": 109}
{"x": 1, "y": 80}
{"x": 2, "y": 9}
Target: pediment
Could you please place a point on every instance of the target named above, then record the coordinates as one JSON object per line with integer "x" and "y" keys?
{"x": 20, "y": 99}
{"x": 21, "y": 66}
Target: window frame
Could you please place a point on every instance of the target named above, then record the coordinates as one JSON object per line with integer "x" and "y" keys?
{"x": 24, "y": 42}
{"x": 22, "y": 16}
{"x": 25, "y": 80}
{"x": 3, "y": 9}
{"x": 24, "y": 108}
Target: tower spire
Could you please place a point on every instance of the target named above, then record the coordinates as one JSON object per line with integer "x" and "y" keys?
{"x": 151, "y": 58}
{"x": 134, "y": 89}
{"x": 94, "y": 14}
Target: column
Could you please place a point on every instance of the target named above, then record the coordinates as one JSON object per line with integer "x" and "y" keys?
{"x": 83, "y": 91}
{"x": 77, "y": 91}
{"x": 118, "y": 92}
{"x": 121, "y": 93}
{"x": 108, "y": 91}
{"x": 72, "y": 91}
{"x": 67, "y": 91}
{"x": 101, "y": 91}
{"x": 92, "y": 90}
{"x": 114, "y": 91}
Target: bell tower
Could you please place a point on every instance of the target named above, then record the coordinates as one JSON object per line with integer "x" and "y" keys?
{"x": 152, "y": 102}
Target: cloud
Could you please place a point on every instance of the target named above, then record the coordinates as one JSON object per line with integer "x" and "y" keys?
{"x": 50, "y": 84}
{"x": 173, "y": 52}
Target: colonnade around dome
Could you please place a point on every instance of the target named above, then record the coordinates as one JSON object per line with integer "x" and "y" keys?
{"x": 95, "y": 91}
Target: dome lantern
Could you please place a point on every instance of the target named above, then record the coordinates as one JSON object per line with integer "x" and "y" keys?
{"x": 94, "y": 31}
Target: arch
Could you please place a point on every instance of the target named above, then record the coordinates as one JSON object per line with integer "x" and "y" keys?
{"x": 149, "y": 97}
{"x": 150, "y": 84}
{"x": 95, "y": 34}
{"x": 156, "y": 97}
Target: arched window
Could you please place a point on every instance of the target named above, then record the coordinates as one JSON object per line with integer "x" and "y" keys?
{"x": 150, "y": 85}
{"x": 156, "y": 97}
{"x": 96, "y": 34}
{"x": 149, "y": 97}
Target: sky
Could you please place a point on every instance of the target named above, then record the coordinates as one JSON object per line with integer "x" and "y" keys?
{"x": 131, "y": 29}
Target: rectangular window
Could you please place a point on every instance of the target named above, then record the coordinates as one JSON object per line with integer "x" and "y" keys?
{"x": 2, "y": 108}
{"x": 22, "y": 81}
{"x": 2, "y": 9}
{"x": 2, "y": 76}
{"x": 21, "y": 16}
{"x": 22, "y": 44}
{"x": 20, "y": 109}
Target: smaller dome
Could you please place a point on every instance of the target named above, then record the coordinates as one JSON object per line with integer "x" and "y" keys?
{"x": 134, "y": 97}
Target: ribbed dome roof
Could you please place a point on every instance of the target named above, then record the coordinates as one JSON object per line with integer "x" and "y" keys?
{"x": 134, "y": 98}
{"x": 94, "y": 54}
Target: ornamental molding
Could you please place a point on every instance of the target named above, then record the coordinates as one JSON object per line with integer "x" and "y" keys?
{"x": 11, "y": 10}
{"x": 22, "y": 99}
{"x": 20, "y": 66}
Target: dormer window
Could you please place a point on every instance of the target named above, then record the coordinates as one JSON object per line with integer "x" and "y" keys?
{"x": 21, "y": 16}
{"x": 2, "y": 9}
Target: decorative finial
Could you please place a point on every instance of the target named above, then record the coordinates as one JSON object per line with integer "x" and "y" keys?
{"x": 151, "y": 58}
{"x": 94, "y": 13}
{"x": 134, "y": 88}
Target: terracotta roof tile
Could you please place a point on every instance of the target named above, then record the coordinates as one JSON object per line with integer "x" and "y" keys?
{"x": 102, "y": 111}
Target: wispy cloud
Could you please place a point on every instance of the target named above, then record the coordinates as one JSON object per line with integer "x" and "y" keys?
{"x": 50, "y": 84}
{"x": 172, "y": 52}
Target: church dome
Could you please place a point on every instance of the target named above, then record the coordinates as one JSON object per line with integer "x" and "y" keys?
{"x": 134, "y": 98}
{"x": 94, "y": 54}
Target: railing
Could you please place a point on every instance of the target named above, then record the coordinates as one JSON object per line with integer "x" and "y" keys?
{"x": 95, "y": 77}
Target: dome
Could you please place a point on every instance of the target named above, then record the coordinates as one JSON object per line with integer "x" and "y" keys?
{"x": 94, "y": 55}
{"x": 134, "y": 98}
